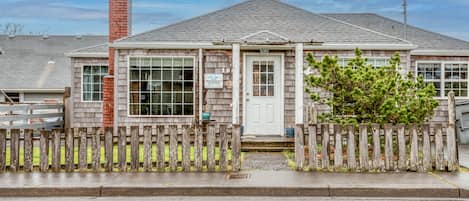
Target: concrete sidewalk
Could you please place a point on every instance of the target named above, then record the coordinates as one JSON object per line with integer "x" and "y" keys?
{"x": 251, "y": 183}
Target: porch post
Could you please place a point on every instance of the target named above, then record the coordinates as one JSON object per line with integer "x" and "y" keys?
{"x": 236, "y": 82}
{"x": 299, "y": 84}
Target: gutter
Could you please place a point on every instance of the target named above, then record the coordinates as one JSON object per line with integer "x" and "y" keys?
{"x": 292, "y": 45}
{"x": 440, "y": 52}
{"x": 35, "y": 90}
{"x": 87, "y": 55}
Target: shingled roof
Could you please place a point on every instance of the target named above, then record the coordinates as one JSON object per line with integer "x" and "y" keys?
{"x": 235, "y": 23}
{"x": 424, "y": 39}
{"x": 38, "y": 62}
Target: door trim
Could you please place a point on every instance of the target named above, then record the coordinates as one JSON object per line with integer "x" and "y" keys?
{"x": 282, "y": 88}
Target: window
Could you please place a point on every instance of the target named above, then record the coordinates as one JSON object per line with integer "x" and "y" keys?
{"x": 161, "y": 86}
{"x": 445, "y": 77}
{"x": 375, "y": 62}
{"x": 263, "y": 78}
{"x": 93, "y": 82}
{"x": 15, "y": 97}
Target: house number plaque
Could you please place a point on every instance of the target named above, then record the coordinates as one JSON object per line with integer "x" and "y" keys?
{"x": 213, "y": 81}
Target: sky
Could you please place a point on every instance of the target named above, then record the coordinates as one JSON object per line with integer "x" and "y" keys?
{"x": 82, "y": 17}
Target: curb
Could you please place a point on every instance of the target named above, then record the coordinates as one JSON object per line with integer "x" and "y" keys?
{"x": 233, "y": 191}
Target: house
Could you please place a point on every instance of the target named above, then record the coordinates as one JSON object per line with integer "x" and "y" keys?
{"x": 243, "y": 64}
{"x": 34, "y": 67}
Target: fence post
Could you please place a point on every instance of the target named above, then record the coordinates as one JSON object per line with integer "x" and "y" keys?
{"x": 363, "y": 147}
{"x": 109, "y": 148}
{"x": 3, "y": 146}
{"x": 388, "y": 147}
{"x": 338, "y": 159}
{"x": 28, "y": 150}
{"x": 451, "y": 134}
{"x": 299, "y": 147}
{"x": 313, "y": 147}
{"x": 236, "y": 148}
{"x": 351, "y": 158}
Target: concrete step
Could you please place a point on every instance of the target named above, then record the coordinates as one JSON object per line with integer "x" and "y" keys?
{"x": 266, "y": 149}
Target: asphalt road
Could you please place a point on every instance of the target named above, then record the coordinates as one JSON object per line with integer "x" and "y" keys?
{"x": 216, "y": 199}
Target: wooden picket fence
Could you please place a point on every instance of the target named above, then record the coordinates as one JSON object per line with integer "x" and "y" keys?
{"x": 376, "y": 147}
{"x": 164, "y": 148}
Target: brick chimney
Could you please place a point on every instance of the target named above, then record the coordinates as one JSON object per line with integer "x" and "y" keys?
{"x": 119, "y": 27}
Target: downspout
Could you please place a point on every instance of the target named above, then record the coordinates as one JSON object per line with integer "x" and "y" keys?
{"x": 116, "y": 88}
{"x": 201, "y": 84}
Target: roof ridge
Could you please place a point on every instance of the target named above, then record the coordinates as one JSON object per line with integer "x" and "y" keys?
{"x": 346, "y": 23}
{"x": 88, "y": 47}
{"x": 186, "y": 20}
{"x": 421, "y": 29}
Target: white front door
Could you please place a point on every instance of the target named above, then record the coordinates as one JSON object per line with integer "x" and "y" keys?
{"x": 263, "y": 95}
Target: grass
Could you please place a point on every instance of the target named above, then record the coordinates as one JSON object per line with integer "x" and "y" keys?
{"x": 36, "y": 155}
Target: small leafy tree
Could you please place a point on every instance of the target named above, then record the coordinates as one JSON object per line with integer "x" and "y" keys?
{"x": 360, "y": 93}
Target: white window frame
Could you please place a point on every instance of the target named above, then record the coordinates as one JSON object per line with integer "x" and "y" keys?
{"x": 342, "y": 62}
{"x": 82, "y": 82}
{"x": 194, "y": 79}
{"x": 443, "y": 79}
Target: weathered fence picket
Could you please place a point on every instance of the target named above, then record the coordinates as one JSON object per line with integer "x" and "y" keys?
{"x": 88, "y": 144}
{"x": 3, "y": 146}
{"x": 28, "y": 150}
{"x": 14, "y": 150}
{"x": 378, "y": 142}
{"x": 313, "y": 147}
{"x": 147, "y": 151}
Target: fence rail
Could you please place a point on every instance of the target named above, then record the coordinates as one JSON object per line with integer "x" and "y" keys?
{"x": 31, "y": 116}
{"x": 376, "y": 147}
{"x": 147, "y": 148}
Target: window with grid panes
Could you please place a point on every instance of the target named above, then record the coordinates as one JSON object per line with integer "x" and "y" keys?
{"x": 446, "y": 77}
{"x": 161, "y": 86}
{"x": 93, "y": 82}
{"x": 263, "y": 78}
{"x": 375, "y": 62}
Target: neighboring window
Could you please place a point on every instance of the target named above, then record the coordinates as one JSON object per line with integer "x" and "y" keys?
{"x": 375, "y": 62}
{"x": 93, "y": 82}
{"x": 161, "y": 86}
{"x": 15, "y": 97}
{"x": 454, "y": 79}
{"x": 263, "y": 78}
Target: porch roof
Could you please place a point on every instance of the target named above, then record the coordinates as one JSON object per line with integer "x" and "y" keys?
{"x": 235, "y": 23}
